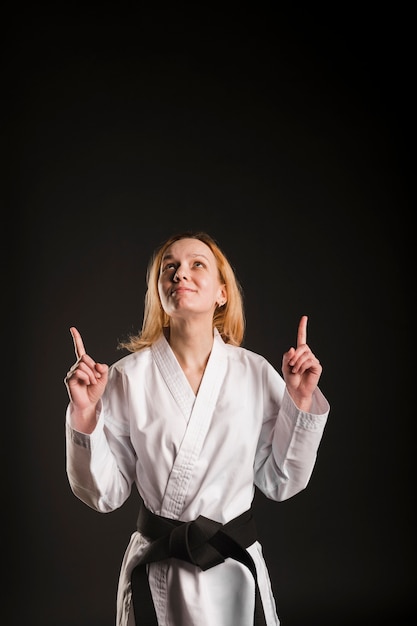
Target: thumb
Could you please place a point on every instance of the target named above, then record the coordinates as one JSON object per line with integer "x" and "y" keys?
{"x": 288, "y": 356}
{"x": 102, "y": 371}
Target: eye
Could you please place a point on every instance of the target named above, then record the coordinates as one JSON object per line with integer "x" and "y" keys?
{"x": 198, "y": 264}
{"x": 168, "y": 266}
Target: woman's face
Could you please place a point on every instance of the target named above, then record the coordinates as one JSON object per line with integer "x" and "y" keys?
{"x": 189, "y": 282}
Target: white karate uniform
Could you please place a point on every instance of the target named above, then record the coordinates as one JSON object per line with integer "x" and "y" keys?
{"x": 192, "y": 455}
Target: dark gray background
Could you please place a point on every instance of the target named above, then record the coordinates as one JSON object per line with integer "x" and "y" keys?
{"x": 284, "y": 134}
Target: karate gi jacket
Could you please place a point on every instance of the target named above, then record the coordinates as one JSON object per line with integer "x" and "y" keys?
{"x": 192, "y": 455}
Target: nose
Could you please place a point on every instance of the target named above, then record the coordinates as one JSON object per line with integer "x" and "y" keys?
{"x": 180, "y": 274}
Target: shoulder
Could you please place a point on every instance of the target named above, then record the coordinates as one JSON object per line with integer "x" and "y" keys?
{"x": 245, "y": 355}
{"x": 251, "y": 369}
{"x": 130, "y": 362}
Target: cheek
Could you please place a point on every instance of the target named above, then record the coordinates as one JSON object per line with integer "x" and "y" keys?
{"x": 213, "y": 290}
{"x": 161, "y": 289}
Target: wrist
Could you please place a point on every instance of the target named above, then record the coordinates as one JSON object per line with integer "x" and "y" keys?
{"x": 301, "y": 402}
{"x": 83, "y": 420}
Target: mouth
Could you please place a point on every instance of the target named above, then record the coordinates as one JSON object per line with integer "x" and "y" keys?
{"x": 180, "y": 290}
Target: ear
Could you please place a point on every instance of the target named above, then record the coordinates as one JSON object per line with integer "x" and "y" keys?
{"x": 222, "y": 296}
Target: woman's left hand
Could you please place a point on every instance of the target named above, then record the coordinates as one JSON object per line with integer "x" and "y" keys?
{"x": 301, "y": 369}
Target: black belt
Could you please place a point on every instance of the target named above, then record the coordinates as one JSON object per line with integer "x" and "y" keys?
{"x": 202, "y": 542}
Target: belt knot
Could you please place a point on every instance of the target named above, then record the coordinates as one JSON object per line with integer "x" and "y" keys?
{"x": 190, "y": 542}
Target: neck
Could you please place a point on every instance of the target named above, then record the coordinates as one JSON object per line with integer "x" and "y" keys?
{"x": 192, "y": 350}
{"x": 192, "y": 346}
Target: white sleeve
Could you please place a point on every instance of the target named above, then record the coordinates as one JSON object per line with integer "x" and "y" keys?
{"x": 101, "y": 466}
{"x": 288, "y": 445}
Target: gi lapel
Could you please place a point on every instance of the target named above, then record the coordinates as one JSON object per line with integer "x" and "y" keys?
{"x": 199, "y": 419}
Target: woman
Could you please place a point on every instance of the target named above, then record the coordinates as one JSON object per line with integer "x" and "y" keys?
{"x": 195, "y": 421}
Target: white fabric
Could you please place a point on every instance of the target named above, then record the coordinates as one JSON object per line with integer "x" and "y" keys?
{"x": 190, "y": 455}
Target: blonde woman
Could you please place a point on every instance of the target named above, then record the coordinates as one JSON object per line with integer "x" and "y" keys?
{"x": 195, "y": 421}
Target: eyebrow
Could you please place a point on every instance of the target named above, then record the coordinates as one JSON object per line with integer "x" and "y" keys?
{"x": 193, "y": 255}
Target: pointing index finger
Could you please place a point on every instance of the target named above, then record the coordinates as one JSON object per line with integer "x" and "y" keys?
{"x": 302, "y": 331}
{"x": 78, "y": 342}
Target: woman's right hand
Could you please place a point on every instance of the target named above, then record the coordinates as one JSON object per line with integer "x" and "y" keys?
{"x": 85, "y": 383}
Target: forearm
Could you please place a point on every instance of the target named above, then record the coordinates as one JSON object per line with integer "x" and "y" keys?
{"x": 294, "y": 441}
{"x": 96, "y": 476}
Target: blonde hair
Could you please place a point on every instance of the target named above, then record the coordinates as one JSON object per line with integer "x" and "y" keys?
{"x": 229, "y": 319}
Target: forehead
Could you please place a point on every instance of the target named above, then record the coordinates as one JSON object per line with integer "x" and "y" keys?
{"x": 189, "y": 247}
